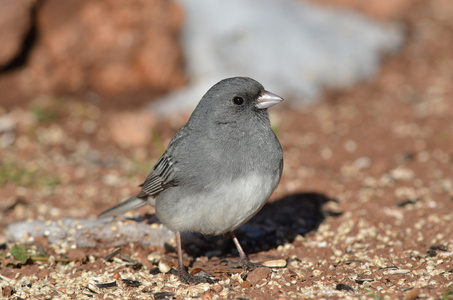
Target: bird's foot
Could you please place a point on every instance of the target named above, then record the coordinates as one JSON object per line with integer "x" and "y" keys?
{"x": 245, "y": 264}
{"x": 187, "y": 278}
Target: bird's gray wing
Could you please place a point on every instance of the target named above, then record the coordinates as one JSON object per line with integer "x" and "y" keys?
{"x": 160, "y": 178}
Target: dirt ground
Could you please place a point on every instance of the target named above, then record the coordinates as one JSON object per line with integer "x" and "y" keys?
{"x": 364, "y": 208}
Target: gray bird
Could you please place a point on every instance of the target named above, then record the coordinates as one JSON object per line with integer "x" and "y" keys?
{"x": 218, "y": 170}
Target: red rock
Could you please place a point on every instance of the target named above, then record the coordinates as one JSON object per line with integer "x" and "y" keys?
{"x": 375, "y": 8}
{"x": 41, "y": 241}
{"x": 7, "y": 291}
{"x": 412, "y": 294}
{"x": 258, "y": 274}
{"x": 111, "y": 47}
{"x": 217, "y": 288}
{"x": 43, "y": 273}
{"x": 76, "y": 254}
{"x": 245, "y": 284}
{"x": 15, "y": 22}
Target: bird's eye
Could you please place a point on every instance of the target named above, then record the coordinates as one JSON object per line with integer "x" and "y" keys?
{"x": 238, "y": 100}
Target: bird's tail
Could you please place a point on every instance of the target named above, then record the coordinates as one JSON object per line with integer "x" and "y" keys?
{"x": 125, "y": 206}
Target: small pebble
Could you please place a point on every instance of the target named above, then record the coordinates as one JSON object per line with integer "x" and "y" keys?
{"x": 217, "y": 288}
{"x": 317, "y": 273}
{"x": 412, "y": 294}
{"x": 257, "y": 275}
{"x": 246, "y": 284}
{"x": 155, "y": 257}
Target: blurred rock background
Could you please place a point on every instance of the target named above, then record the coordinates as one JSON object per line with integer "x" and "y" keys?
{"x": 124, "y": 54}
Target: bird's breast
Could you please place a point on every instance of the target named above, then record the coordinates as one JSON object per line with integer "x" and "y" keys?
{"x": 216, "y": 210}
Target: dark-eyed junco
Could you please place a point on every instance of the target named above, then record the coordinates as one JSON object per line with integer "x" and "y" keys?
{"x": 219, "y": 169}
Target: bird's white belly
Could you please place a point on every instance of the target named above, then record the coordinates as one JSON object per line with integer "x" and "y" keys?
{"x": 221, "y": 209}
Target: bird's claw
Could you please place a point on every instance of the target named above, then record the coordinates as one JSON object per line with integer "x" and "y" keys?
{"x": 245, "y": 264}
{"x": 187, "y": 278}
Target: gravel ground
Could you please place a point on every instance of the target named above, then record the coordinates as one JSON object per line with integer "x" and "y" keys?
{"x": 364, "y": 208}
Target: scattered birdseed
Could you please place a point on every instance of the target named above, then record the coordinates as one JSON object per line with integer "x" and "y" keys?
{"x": 406, "y": 202}
{"x": 131, "y": 283}
{"x": 163, "y": 267}
{"x": 280, "y": 263}
{"x": 164, "y": 296}
{"x": 396, "y": 272}
{"x": 106, "y": 285}
{"x": 343, "y": 287}
{"x": 112, "y": 254}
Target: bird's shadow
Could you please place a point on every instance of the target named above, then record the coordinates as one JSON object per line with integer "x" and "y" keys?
{"x": 278, "y": 223}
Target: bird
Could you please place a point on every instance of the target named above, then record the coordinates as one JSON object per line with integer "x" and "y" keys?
{"x": 218, "y": 170}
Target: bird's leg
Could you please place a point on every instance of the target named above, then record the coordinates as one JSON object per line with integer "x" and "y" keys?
{"x": 182, "y": 273}
{"x": 242, "y": 256}
{"x": 179, "y": 250}
{"x": 244, "y": 261}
